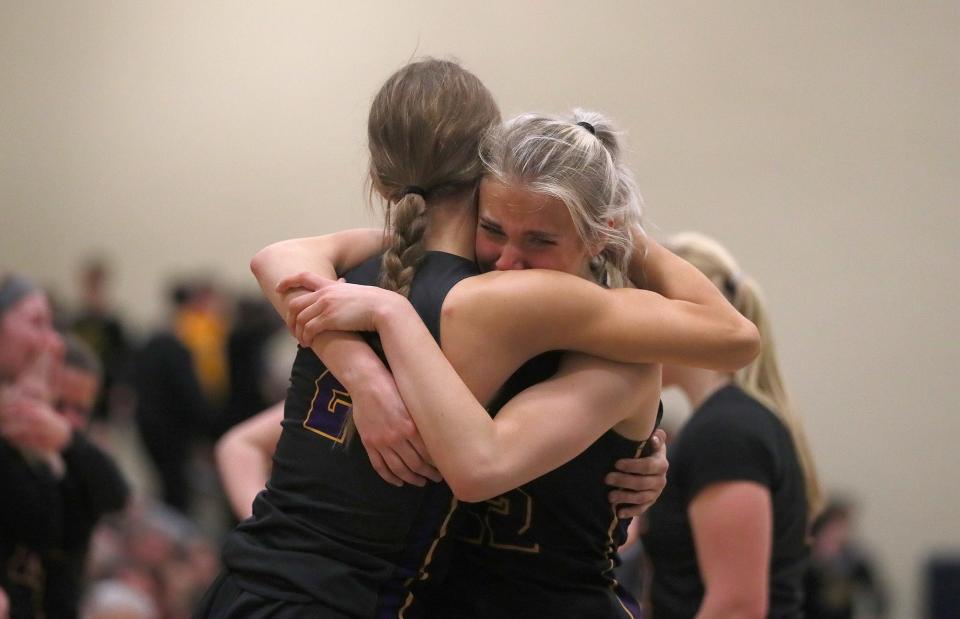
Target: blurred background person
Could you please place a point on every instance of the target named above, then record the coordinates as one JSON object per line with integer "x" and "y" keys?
{"x": 92, "y": 484}
{"x": 254, "y": 325}
{"x": 31, "y": 438}
{"x": 842, "y": 580}
{"x": 100, "y": 327}
{"x": 728, "y": 537}
{"x": 173, "y": 411}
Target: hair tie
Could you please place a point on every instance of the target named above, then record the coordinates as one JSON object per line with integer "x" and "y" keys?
{"x": 731, "y": 283}
{"x": 587, "y": 126}
{"x": 420, "y": 191}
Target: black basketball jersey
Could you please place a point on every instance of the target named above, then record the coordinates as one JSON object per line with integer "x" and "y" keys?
{"x": 547, "y": 548}
{"x": 327, "y": 528}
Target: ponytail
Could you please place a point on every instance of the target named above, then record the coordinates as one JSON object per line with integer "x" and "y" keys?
{"x": 761, "y": 379}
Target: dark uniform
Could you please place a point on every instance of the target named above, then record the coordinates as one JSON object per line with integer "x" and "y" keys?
{"x": 329, "y": 537}
{"x": 731, "y": 437}
{"x": 546, "y": 549}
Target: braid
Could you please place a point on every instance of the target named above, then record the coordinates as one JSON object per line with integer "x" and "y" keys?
{"x": 405, "y": 253}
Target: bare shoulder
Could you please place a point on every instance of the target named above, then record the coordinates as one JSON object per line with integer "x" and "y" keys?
{"x": 631, "y": 390}
{"x": 503, "y": 298}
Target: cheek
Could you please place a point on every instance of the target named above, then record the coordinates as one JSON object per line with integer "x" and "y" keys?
{"x": 557, "y": 259}
{"x": 487, "y": 250}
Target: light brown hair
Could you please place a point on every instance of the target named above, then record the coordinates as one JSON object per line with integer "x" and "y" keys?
{"x": 424, "y": 131}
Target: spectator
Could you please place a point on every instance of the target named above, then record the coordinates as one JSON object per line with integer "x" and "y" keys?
{"x": 91, "y": 487}
{"x": 172, "y": 410}
{"x": 841, "y": 581}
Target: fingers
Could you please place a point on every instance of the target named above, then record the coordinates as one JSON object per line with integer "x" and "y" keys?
{"x": 412, "y": 459}
{"x": 636, "y": 483}
{"x": 400, "y": 469}
{"x": 296, "y": 306}
{"x": 305, "y": 317}
{"x": 642, "y": 466}
{"x": 629, "y": 511}
{"x": 417, "y": 443}
{"x": 312, "y": 328}
{"x": 659, "y": 439}
{"x": 382, "y": 470}
{"x": 304, "y": 279}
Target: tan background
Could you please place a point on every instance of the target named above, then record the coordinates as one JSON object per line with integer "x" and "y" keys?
{"x": 819, "y": 140}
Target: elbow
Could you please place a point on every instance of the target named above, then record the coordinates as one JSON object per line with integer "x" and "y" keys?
{"x": 223, "y": 452}
{"x": 743, "y": 345}
{"x": 749, "y": 341}
{"x": 474, "y": 483}
{"x": 260, "y": 260}
{"x": 471, "y": 492}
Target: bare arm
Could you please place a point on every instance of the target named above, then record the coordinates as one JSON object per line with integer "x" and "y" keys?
{"x": 732, "y": 530}
{"x": 388, "y": 433}
{"x": 346, "y": 354}
{"x": 244, "y": 457}
{"x": 540, "y": 429}
{"x": 534, "y": 311}
{"x": 663, "y": 272}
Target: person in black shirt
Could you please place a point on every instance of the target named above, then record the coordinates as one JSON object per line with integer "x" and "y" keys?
{"x": 92, "y": 485}
{"x": 31, "y": 436}
{"x": 728, "y": 536}
{"x": 173, "y": 414}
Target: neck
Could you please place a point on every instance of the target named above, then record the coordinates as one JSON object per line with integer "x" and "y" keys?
{"x": 453, "y": 225}
{"x": 698, "y": 385}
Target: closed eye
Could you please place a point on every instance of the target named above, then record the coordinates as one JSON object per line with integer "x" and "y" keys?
{"x": 491, "y": 229}
{"x": 542, "y": 241}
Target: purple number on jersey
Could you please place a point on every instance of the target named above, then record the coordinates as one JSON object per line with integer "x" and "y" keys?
{"x": 329, "y": 408}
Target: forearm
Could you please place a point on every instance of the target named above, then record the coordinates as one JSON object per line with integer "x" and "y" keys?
{"x": 325, "y": 255}
{"x": 442, "y": 406}
{"x": 674, "y": 331}
{"x": 347, "y": 356}
{"x": 243, "y": 458}
{"x": 626, "y": 325}
{"x": 734, "y": 340}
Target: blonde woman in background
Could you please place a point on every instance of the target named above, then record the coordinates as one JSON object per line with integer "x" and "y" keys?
{"x": 728, "y": 536}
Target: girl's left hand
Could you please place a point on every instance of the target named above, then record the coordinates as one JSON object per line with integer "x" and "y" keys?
{"x": 332, "y": 306}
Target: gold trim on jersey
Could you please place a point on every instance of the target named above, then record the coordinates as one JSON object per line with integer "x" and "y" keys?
{"x": 611, "y": 548}
{"x": 422, "y": 573}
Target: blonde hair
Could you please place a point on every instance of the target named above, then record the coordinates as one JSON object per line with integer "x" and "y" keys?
{"x": 761, "y": 379}
{"x": 575, "y": 159}
{"x": 424, "y": 131}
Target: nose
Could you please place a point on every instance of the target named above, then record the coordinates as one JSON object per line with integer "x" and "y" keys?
{"x": 511, "y": 259}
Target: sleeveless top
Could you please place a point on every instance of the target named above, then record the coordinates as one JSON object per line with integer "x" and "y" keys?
{"x": 547, "y": 548}
{"x": 327, "y": 528}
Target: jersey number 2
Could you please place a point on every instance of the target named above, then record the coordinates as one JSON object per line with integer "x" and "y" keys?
{"x": 503, "y": 523}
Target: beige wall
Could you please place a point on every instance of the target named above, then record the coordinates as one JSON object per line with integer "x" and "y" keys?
{"x": 819, "y": 140}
